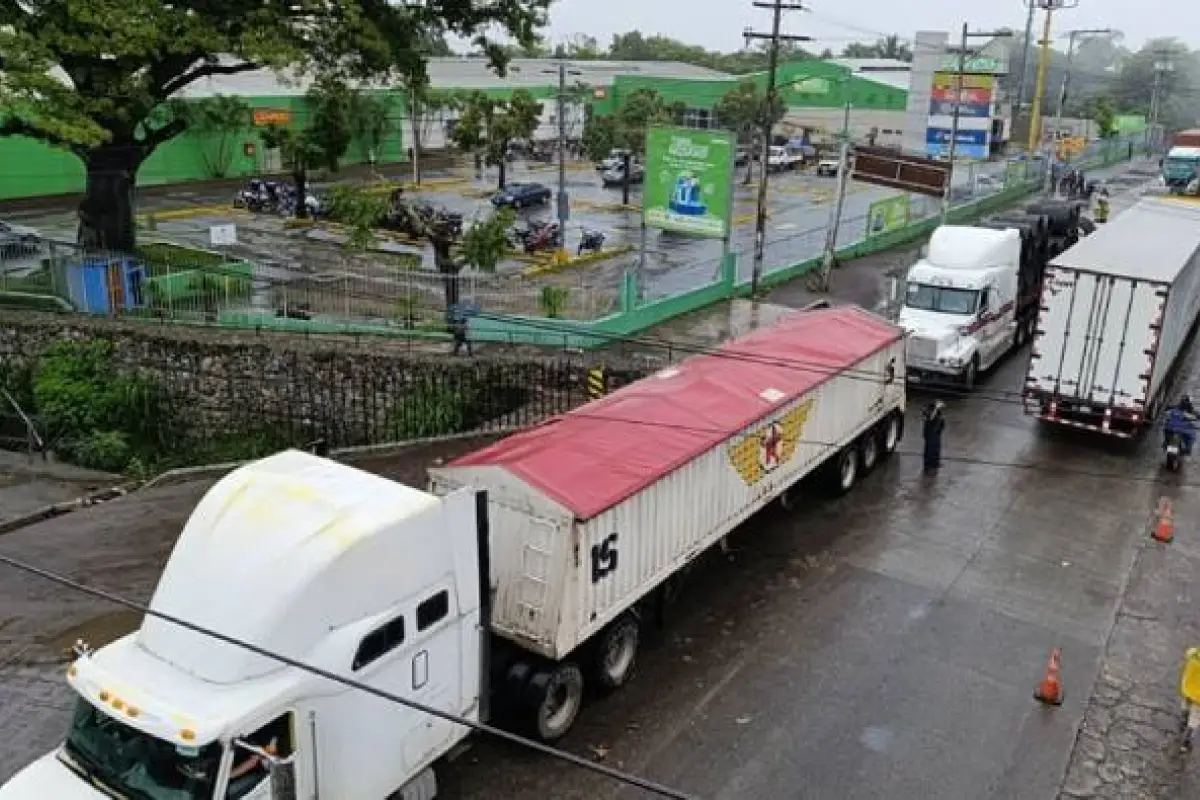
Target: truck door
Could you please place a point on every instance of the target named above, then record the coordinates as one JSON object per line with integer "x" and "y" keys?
{"x": 435, "y": 673}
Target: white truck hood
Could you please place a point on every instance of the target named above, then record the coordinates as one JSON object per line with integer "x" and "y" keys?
{"x": 48, "y": 778}
{"x": 932, "y": 324}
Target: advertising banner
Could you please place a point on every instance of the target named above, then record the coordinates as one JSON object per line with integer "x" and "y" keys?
{"x": 886, "y": 215}
{"x": 969, "y": 144}
{"x": 945, "y": 108}
{"x": 689, "y": 181}
{"x": 949, "y": 80}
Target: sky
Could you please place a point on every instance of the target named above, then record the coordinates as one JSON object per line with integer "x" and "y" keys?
{"x": 718, "y": 24}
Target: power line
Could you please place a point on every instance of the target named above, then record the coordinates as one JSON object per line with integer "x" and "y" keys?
{"x": 479, "y": 727}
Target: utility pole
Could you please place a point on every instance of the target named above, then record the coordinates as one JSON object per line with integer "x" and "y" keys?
{"x": 1028, "y": 43}
{"x": 562, "y": 201}
{"x": 843, "y": 178}
{"x": 777, "y": 8}
{"x": 1161, "y": 68}
{"x": 1062, "y": 92}
{"x": 959, "y": 88}
{"x": 1039, "y": 91}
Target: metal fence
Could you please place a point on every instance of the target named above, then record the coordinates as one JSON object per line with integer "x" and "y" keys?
{"x": 168, "y": 282}
{"x": 174, "y": 410}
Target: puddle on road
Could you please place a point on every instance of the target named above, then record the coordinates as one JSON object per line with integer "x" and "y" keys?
{"x": 97, "y": 632}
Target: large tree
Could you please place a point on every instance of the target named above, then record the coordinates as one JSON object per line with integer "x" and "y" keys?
{"x": 488, "y": 125}
{"x": 98, "y": 77}
{"x": 741, "y": 110}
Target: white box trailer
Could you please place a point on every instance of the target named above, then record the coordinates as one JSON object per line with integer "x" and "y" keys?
{"x": 1116, "y": 311}
{"x": 590, "y": 512}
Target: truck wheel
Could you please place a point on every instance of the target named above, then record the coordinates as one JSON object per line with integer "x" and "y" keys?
{"x": 972, "y": 374}
{"x": 890, "y": 435}
{"x": 845, "y": 470}
{"x": 557, "y": 693}
{"x": 868, "y": 451}
{"x": 616, "y": 652}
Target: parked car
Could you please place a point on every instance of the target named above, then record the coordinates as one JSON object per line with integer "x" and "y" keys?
{"x": 828, "y": 166}
{"x": 615, "y": 158}
{"x": 742, "y": 157}
{"x": 520, "y": 195}
{"x": 18, "y": 240}
{"x": 616, "y": 175}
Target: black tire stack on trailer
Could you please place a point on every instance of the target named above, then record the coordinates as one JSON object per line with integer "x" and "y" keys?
{"x": 1036, "y": 248}
{"x": 1063, "y": 220}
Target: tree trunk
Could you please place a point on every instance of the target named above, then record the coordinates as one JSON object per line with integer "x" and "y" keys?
{"x": 416, "y": 119}
{"x": 443, "y": 260}
{"x": 749, "y": 172}
{"x": 300, "y": 176}
{"x": 106, "y": 212}
{"x": 503, "y": 164}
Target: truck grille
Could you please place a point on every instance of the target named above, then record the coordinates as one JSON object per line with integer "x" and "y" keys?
{"x": 922, "y": 348}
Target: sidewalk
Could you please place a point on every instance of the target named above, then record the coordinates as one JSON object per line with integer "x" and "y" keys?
{"x": 28, "y": 485}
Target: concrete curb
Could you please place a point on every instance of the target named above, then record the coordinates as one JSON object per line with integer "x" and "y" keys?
{"x": 67, "y": 506}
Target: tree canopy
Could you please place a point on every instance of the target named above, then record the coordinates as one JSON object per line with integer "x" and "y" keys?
{"x": 488, "y": 125}
{"x": 98, "y": 77}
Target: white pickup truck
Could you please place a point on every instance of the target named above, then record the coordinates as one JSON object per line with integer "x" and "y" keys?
{"x": 780, "y": 159}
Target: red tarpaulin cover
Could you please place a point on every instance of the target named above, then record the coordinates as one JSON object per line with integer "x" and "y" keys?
{"x": 600, "y": 454}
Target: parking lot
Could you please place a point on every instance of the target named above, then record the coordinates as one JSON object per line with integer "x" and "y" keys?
{"x": 309, "y": 267}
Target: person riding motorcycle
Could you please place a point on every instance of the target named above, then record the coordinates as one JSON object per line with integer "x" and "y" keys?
{"x": 1181, "y": 421}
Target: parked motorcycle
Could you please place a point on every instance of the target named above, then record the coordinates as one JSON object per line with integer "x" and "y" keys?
{"x": 592, "y": 241}
{"x": 543, "y": 236}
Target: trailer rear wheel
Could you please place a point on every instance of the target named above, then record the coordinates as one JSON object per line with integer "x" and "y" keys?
{"x": 890, "y": 437}
{"x": 558, "y": 696}
{"x": 845, "y": 470}
{"x": 868, "y": 451}
{"x": 616, "y": 651}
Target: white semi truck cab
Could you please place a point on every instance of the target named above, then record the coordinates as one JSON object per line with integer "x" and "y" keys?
{"x": 314, "y": 560}
{"x": 960, "y": 303}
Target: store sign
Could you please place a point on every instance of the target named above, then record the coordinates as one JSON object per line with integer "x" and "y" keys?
{"x": 976, "y": 64}
{"x": 968, "y": 144}
{"x": 271, "y": 116}
{"x": 945, "y": 108}
{"x": 688, "y": 185}
{"x": 812, "y": 86}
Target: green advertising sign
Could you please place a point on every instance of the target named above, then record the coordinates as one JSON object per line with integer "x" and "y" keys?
{"x": 689, "y": 181}
{"x": 887, "y": 215}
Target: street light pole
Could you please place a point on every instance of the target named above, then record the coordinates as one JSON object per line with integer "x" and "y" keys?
{"x": 1020, "y": 101}
{"x": 1039, "y": 90}
{"x": 843, "y": 178}
{"x": 562, "y": 200}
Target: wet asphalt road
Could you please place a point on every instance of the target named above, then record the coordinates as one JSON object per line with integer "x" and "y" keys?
{"x": 885, "y": 644}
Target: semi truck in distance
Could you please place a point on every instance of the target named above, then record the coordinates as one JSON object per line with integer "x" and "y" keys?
{"x": 524, "y": 573}
{"x": 1116, "y": 312}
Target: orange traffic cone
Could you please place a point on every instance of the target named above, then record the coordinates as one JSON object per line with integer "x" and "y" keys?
{"x": 1050, "y": 691}
{"x": 1164, "y": 528}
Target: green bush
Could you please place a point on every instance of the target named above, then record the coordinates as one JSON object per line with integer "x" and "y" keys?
{"x": 435, "y": 407}
{"x": 92, "y": 413}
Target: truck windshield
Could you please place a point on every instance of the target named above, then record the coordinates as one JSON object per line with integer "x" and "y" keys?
{"x": 137, "y": 765}
{"x": 1179, "y": 167}
{"x": 924, "y": 297}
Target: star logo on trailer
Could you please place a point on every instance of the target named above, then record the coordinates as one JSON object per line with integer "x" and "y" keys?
{"x": 770, "y": 444}
{"x": 767, "y": 447}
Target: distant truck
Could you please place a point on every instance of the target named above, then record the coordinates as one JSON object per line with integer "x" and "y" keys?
{"x": 1188, "y": 138}
{"x": 1181, "y": 167}
{"x": 1116, "y": 311}
{"x": 529, "y": 569}
{"x": 781, "y": 158}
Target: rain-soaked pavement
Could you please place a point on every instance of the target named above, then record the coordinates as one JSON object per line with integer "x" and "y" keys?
{"x": 885, "y": 644}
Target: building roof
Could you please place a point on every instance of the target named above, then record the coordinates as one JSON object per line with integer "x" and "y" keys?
{"x": 597, "y": 456}
{"x": 462, "y": 72}
{"x": 1154, "y": 240}
{"x": 889, "y": 71}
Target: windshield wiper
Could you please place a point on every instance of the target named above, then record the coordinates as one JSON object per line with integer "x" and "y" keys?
{"x": 84, "y": 766}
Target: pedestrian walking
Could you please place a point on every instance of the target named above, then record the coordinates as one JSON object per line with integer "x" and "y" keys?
{"x": 459, "y": 330}
{"x": 1189, "y": 697}
{"x": 935, "y": 425}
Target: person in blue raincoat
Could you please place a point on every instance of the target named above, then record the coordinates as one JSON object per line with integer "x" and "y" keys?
{"x": 1181, "y": 420}
{"x": 933, "y": 427}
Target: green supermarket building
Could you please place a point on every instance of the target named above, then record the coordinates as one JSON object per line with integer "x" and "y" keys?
{"x": 815, "y": 93}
